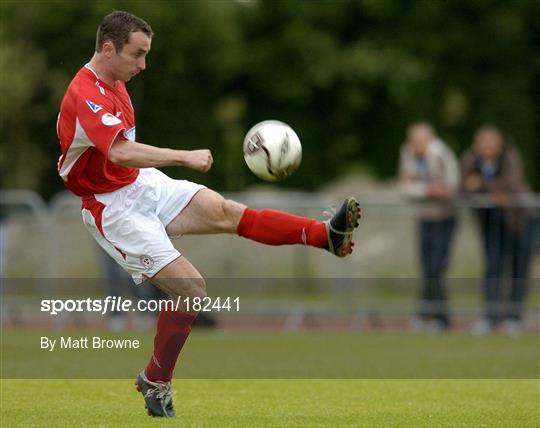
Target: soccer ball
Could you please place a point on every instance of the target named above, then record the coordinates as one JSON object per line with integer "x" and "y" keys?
{"x": 272, "y": 150}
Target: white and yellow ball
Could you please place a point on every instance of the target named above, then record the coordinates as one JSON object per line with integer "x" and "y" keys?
{"x": 272, "y": 150}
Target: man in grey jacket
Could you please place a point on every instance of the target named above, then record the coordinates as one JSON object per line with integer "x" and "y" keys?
{"x": 429, "y": 174}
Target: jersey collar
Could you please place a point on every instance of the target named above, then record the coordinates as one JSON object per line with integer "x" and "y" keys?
{"x": 101, "y": 82}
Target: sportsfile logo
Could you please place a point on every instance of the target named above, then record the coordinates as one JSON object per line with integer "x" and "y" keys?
{"x": 112, "y": 304}
{"x": 93, "y": 106}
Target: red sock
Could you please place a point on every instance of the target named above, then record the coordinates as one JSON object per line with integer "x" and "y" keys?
{"x": 173, "y": 328}
{"x": 278, "y": 228}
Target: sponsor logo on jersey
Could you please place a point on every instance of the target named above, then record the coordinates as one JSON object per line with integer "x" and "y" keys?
{"x": 147, "y": 261}
{"x": 110, "y": 120}
{"x": 93, "y": 106}
{"x": 130, "y": 134}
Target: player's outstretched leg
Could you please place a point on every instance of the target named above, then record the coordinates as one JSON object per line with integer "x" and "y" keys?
{"x": 278, "y": 228}
{"x": 208, "y": 212}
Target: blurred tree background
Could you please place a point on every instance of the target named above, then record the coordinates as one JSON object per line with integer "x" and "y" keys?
{"x": 347, "y": 75}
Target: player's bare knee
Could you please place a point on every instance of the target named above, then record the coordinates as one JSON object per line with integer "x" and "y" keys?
{"x": 199, "y": 286}
{"x": 201, "y": 293}
{"x": 191, "y": 291}
{"x": 232, "y": 212}
{"x": 196, "y": 288}
{"x": 182, "y": 287}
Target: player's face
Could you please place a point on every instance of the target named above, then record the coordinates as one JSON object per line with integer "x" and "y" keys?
{"x": 131, "y": 60}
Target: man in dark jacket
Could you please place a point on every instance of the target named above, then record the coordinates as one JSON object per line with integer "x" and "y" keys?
{"x": 492, "y": 172}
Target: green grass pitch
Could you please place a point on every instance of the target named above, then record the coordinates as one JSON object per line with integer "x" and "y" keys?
{"x": 440, "y": 381}
{"x": 277, "y": 403}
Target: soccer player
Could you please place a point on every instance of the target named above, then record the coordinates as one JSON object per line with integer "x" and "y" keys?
{"x": 132, "y": 209}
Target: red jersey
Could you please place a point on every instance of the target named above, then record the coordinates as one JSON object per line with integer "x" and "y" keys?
{"x": 92, "y": 115}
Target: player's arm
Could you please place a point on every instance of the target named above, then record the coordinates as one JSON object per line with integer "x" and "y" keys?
{"x": 137, "y": 155}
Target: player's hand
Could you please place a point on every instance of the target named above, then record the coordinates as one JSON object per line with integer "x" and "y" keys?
{"x": 199, "y": 160}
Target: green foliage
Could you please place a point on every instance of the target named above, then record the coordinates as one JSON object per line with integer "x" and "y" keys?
{"x": 347, "y": 75}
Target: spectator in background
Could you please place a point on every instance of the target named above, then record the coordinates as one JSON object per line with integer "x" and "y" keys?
{"x": 429, "y": 174}
{"x": 3, "y": 235}
{"x": 3, "y": 241}
{"x": 492, "y": 168}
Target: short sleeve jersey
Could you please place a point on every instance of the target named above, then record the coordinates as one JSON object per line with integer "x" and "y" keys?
{"x": 92, "y": 115}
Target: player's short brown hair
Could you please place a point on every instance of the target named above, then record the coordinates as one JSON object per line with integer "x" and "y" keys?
{"x": 117, "y": 26}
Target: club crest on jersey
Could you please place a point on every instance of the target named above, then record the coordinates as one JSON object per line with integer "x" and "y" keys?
{"x": 110, "y": 120}
{"x": 93, "y": 106}
{"x": 146, "y": 261}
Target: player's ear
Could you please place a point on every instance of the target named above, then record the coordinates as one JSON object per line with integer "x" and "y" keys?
{"x": 108, "y": 49}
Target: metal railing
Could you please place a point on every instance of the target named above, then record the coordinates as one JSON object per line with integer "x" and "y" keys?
{"x": 50, "y": 241}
